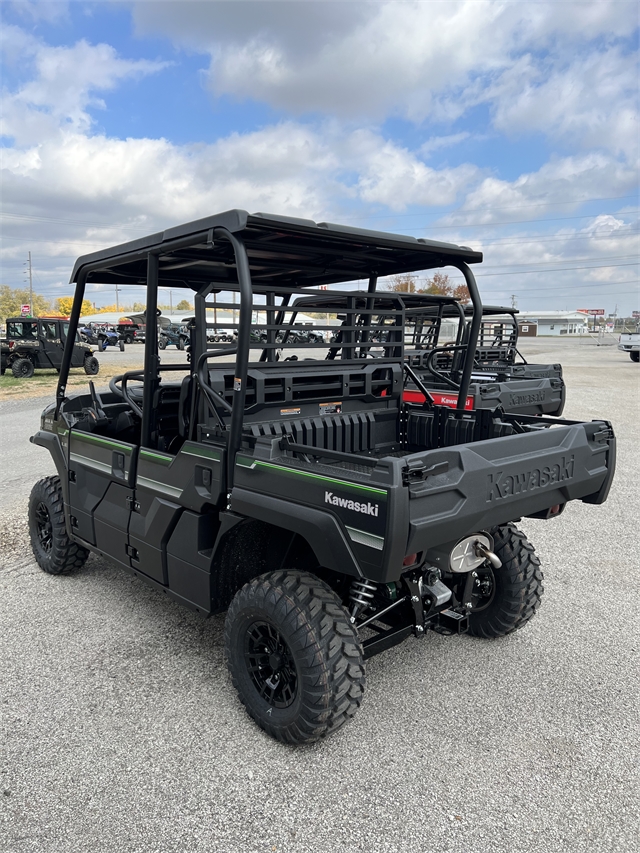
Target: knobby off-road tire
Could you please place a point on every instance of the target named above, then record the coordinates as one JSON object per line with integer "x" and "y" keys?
{"x": 22, "y": 368}
{"x": 55, "y": 553}
{"x": 294, "y": 657}
{"x": 91, "y": 365}
{"x": 517, "y": 586}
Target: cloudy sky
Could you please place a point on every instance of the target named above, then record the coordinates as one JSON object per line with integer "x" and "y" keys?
{"x": 511, "y": 127}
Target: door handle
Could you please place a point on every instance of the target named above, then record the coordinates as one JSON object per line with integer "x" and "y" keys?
{"x": 117, "y": 465}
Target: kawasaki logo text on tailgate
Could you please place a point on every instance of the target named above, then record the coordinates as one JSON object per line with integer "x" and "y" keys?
{"x": 347, "y": 503}
{"x": 501, "y": 486}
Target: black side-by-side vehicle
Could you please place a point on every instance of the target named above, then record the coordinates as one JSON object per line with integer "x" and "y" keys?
{"x": 330, "y": 517}
{"x": 35, "y": 344}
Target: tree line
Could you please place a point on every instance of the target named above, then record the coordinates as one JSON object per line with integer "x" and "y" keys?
{"x": 439, "y": 285}
{"x": 13, "y": 298}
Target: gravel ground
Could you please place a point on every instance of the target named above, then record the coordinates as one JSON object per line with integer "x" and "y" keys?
{"x": 121, "y": 731}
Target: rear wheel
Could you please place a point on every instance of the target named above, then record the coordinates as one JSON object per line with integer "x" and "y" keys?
{"x": 55, "y": 553}
{"x": 505, "y": 599}
{"x": 91, "y": 365}
{"x": 22, "y": 368}
{"x": 121, "y": 345}
{"x": 181, "y": 343}
{"x": 294, "y": 657}
{"x": 634, "y": 356}
{"x": 162, "y": 343}
{"x": 128, "y": 339}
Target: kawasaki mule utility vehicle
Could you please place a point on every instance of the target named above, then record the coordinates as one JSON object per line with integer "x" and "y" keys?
{"x": 433, "y": 332}
{"x": 330, "y": 517}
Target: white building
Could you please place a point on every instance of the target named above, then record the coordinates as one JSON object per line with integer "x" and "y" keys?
{"x": 552, "y": 323}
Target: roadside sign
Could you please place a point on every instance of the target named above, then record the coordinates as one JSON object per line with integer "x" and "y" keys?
{"x": 25, "y": 309}
{"x": 596, "y": 312}
{"x": 635, "y": 315}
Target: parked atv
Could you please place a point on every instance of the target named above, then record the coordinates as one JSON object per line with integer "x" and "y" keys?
{"x": 37, "y": 344}
{"x": 173, "y": 334}
{"x": 328, "y": 515}
{"x": 101, "y": 336}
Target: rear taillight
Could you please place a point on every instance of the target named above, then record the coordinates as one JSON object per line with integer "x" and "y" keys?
{"x": 11, "y": 344}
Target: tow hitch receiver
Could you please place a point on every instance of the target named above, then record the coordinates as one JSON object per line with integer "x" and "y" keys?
{"x": 450, "y": 622}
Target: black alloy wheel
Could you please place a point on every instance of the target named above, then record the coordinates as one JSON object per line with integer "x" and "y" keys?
{"x": 271, "y": 665}
{"x": 44, "y": 528}
{"x": 294, "y": 656}
{"x": 54, "y": 551}
{"x": 22, "y": 368}
{"x": 91, "y": 365}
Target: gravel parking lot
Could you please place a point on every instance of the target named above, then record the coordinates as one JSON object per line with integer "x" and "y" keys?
{"x": 121, "y": 731}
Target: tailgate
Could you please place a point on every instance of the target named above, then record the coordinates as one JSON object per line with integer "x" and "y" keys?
{"x": 500, "y": 480}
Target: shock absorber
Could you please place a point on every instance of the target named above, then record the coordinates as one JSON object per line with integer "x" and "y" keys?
{"x": 361, "y": 595}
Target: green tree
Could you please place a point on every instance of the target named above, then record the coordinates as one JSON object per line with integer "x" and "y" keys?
{"x": 12, "y": 299}
{"x": 184, "y": 305}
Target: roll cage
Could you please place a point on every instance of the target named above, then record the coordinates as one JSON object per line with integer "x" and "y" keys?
{"x": 266, "y": 259}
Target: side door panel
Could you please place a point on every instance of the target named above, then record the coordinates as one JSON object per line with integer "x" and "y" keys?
{"x": 165, "y": 486}
{"x": 101, "y": 474}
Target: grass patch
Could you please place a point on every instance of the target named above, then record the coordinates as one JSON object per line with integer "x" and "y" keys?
{"x": 45, "y": 381}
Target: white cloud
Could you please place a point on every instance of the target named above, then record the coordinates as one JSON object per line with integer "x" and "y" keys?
{"x": 64, "y": 84}
{"x": 590, "y": 102}
{"x": 569, "y": 181}
{"x": 415, "y": 59}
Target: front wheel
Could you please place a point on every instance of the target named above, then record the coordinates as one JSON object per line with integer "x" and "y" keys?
{"x": 505, "y": 599}
{"x": 162, "y": 343}
{"x": 91, "y": 365}
{"x": 294, "y": 657}
{"x": 121, "y": 345}
{"x": 634, "y": 356}
{"x": 55, "y": 553}
{"x": 22, "y": 368}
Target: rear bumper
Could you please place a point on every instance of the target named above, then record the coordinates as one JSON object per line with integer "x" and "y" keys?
{"x": 493, "y": 482}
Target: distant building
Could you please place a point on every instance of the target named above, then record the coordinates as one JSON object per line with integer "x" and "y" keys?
{"x": 552, "y": 323}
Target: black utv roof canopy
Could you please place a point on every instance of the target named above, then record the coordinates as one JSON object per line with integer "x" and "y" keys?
{"x": 282, "y": 251}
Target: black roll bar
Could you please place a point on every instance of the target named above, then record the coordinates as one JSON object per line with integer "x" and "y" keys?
{"x": 474, "y": 330}
{"x": 244, "y": 341}
{"x": 151, "y": 358}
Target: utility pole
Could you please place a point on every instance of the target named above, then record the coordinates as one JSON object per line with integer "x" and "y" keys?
{"x": 117, "y": 302}
{"x": 514, "y": 303}
{"x": 170, "y": 302}
{"x": 29, "y": 271}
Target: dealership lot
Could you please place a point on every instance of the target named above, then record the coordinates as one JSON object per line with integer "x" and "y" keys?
{"x": 121, "y": 731}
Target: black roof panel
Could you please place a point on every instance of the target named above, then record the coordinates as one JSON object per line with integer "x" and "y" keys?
{"x": 282, "y": 250}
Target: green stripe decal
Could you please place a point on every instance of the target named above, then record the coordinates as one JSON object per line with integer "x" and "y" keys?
{"x": 202, "y": 453}
{"x": 243, "y": 460}
{"x": 157, "y": 457}
{"x": 86, "y": 436}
